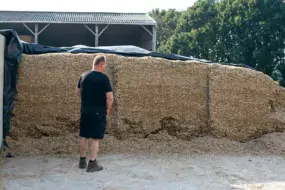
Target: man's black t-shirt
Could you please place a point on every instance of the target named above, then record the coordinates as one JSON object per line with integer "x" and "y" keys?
{"x": 94, "y": 86}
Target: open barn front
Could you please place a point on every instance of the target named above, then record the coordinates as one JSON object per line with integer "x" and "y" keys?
{"x": 67, "y": 35}
{"x": 124, "y": 34}
{"x": 65, "y": 29}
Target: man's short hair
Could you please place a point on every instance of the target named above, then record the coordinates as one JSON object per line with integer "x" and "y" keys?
{"x": 98, "y": 59}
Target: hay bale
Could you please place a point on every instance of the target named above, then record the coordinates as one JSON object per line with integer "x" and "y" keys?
{"x": 157, "y": 94}
{"x": 241, "y": 103}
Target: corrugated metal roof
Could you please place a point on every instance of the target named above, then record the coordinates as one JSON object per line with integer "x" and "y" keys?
{"x": 76, "y": 17}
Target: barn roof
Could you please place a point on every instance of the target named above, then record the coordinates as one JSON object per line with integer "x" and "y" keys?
{"x": 76, "y": 17}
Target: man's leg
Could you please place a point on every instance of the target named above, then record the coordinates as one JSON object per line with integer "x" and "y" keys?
{"x": 93, "y": 164}
{"x": 94, "y": 149}
{"x": 99, "y": 125}
{"x": 83, "y": 146}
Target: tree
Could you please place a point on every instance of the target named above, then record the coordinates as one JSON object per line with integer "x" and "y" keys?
{"x": 166, "y": 24}
{"x": 250, "y": 32}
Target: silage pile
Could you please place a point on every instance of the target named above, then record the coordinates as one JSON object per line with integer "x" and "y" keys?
{"x": 160, "y": 105}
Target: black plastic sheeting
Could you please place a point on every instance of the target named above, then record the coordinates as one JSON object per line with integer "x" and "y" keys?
{"x": 12, "y": 58}
{"x": 13, "y": 54}
{"x": 127, "y": 51}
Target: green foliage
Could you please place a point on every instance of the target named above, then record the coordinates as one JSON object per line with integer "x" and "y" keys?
{"x": 250, "y": 32}
{"x": 166, "y": 24}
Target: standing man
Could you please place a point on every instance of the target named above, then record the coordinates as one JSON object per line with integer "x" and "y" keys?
{"x": 94, "y": 89}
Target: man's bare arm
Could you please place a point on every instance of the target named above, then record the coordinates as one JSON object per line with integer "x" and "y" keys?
{"x": 110, "y": 99}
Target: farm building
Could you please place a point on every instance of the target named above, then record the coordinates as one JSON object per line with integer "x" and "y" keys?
{"x": 82, "y": 28}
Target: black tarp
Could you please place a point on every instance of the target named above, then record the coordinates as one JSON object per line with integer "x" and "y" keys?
{"x": 12, "y": 58}
{"x": 129, "y": 51}
{"x": 13, "y": 54}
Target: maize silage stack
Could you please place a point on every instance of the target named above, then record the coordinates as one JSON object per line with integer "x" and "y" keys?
{"x": 46, "y": 103}
{"x": 154, "y": 98}
{"x": 159, "y": 95}
{"x": 242, "y": 103}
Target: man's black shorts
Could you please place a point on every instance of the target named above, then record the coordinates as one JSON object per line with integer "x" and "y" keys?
{"x": 92, "y": 122}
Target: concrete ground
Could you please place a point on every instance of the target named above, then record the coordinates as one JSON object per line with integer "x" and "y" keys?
{"x": 140, "y": 172}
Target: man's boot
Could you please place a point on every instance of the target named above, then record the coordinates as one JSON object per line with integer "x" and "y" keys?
{"x": 93, "y": 166}
{"x": 82, "y": 163}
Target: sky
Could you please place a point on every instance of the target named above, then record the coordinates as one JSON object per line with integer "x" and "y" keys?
{"x": 95, "y": 5}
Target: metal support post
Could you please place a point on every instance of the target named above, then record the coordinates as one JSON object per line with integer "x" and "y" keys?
{"x": 153, "y": 34}
{"x": 36, "y": 33}
{"x": 2, "y": 50}
{"x": 154, "y": 38}
{"x": 96, "y": 36}
{"x": 96, "y": 33}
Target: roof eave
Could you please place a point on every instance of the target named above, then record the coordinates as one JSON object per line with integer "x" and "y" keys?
{"x": 103, "y": 23}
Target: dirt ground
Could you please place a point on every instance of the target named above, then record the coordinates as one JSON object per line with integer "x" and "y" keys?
{"x": 155, "y": 163}
{"x": 135, "y": 171}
